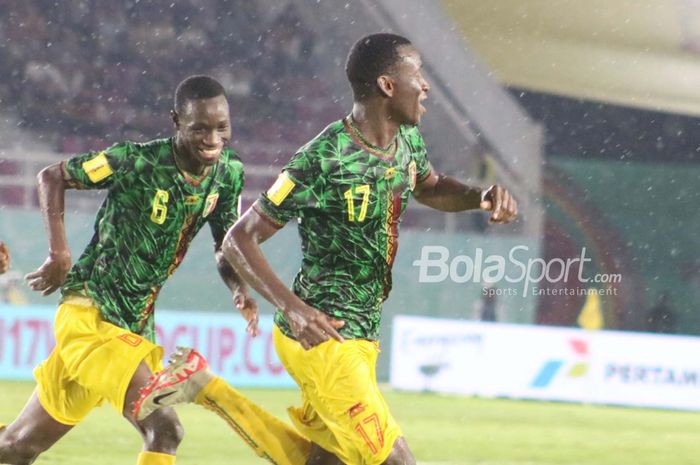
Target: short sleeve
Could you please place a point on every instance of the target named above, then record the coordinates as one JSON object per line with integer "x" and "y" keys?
{"x": 97, "y": 170}
{"x": 295, "y": 189}
{"x": 419, "y": 153}
{"x": 228, "y": 206}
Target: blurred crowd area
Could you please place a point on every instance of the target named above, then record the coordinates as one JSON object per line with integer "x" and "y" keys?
{"x": 84, "y": 74}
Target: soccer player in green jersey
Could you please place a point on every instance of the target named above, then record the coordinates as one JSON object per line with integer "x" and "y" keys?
{"x": 348, "y": 188}
{"x": 160, "y": 194}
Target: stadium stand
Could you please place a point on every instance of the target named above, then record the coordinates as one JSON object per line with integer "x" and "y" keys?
{"x": 83, "y": 75}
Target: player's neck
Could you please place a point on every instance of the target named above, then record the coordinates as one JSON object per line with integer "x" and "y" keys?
{"x": 185, "y": 164}
{"x": 374, "y": 125}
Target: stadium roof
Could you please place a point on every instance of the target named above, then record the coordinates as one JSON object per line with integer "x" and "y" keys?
{"x": 640, "y": 54}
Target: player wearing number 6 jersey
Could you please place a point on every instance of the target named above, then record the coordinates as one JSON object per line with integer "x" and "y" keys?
{"x": 348, "y": 188}
{"x": 159, "y": 195}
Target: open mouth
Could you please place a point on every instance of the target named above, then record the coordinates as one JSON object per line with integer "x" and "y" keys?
{"x": 209, "y": 154}
{"x": 420, "y": 104}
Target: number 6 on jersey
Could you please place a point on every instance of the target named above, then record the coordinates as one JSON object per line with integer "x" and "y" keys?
{"x": 160, "y": 206}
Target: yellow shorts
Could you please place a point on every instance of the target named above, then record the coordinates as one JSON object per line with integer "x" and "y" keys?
{"x": 93, "y": 360}
{"x": 343, "y": 410}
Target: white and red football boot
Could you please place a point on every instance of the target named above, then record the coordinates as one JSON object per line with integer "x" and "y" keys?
{"x": 180, "y": 382}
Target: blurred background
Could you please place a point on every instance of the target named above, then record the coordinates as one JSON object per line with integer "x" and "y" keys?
{"x": 586, "y": 111}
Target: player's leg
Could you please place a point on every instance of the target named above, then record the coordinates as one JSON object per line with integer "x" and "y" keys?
{"x": 188, "y": 379}
{"x": 111, "y": 363}
{"x": 343, "y": 411}
{"x": 400, "y": 454}
{"x": 30, "y": 434}
{"x": 320, "y": 456}
{"x": 57, "y": 404}
{"x": 161, "y": 432}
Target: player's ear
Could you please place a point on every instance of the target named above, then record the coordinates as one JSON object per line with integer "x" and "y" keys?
{"x": 386, "y": 85}
{"x": 176, "y": 118}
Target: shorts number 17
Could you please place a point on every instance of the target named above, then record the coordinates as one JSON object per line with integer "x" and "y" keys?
{"x": 371, "y": 422}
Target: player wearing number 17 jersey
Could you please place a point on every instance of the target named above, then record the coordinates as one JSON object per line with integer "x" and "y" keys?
{"x": 347, "y": 188}
{"x": 349, "y": 198}
{"x": 159, "y": 194}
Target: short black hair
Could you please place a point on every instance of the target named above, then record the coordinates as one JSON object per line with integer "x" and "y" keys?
{"x": 195, "y": 88}
{"x": 369, "y": 58}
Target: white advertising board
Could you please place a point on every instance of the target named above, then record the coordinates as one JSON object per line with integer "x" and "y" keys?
{"x": 27, "y": 338}
{"x": 535, "y": 362}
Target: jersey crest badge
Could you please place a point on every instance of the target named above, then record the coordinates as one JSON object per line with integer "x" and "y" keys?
{"x": 210, "y": 203}
{"x": 280, "y": 189}
{"x": 97, "y": 168}
{"x": 389, "y": 173}
{"x": 412, "y": 175}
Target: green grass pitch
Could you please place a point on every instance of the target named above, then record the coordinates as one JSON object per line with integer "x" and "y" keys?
{"x": 441, "y": 430}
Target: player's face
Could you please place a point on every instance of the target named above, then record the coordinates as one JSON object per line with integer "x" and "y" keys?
{"x": 410, "y": 87}
{"x": 203, "y": 128}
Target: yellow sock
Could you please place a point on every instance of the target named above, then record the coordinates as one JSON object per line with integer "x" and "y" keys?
{"x": 266, "y": 434}
{"x": 155, "y": 458}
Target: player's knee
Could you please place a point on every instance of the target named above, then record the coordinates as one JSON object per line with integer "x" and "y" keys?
{"x": 400, "y": 454}
{"x": 163, "y": 433}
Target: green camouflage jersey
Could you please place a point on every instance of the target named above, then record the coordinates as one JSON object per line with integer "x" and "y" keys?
{"x": 349, "y": 200}
{"x": 145, "y": 225}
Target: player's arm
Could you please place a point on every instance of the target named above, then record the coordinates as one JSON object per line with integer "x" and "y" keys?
{"x": 226, "y": 213}
{"x": 242, "y": 248}
{"x": 4, "y": 257}
{"x": 243, "y": 302}
{"x": 52, "y": 184}
{"x": 447, "y": 194}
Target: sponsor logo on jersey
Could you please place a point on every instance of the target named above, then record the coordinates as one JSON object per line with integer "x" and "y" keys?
{"x": 280, "y": 189}
{"x": 97, "y": 168}
{"x": 210, "y": 203}
{"x": 412, "y": 175}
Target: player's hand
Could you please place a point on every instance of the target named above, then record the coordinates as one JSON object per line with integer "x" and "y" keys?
{"x": 4, "y": 258}
{"x": 51, "y": 274}
{"x": 311, "y": 327}
{"x": 249, "y": 310}
{"x": 500, "y": 203}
